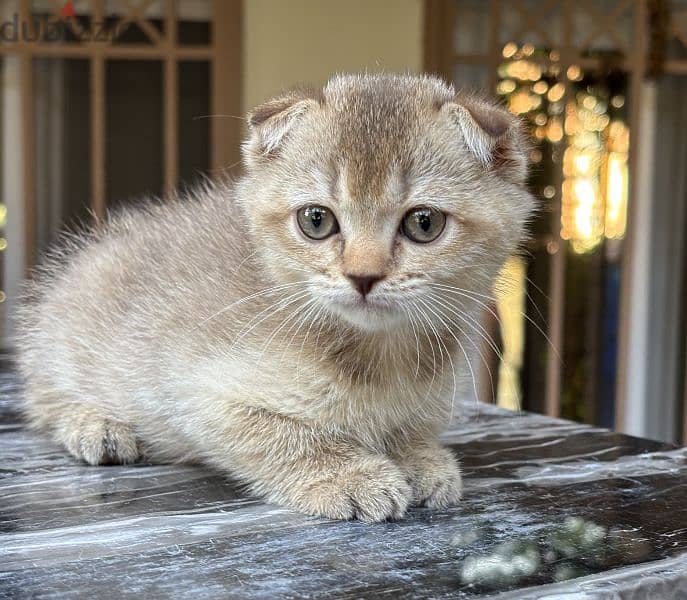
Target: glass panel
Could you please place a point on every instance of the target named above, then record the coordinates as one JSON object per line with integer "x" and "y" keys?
{"x": 133, "y": 130}
{"x": 526, "y": 22}
{"x": 678, "y": 19}
{"x": 677, "y": 35}
{"x": 194, "y": 121}
{"x": 195, "y": 22}
{"x": 62, "y": 128}
{"x": 578, "y": 123}
{"x": 129, "y": 27}
{"x": 471, "y": 77}
{"x": 471, "y": 31}
{"x": 613, "y": 34}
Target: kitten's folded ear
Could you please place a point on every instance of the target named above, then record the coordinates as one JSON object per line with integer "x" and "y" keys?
{"x": 271, "y": 122}
{"x": 493, "y": 135}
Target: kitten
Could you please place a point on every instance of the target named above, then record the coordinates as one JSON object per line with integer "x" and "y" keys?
{"x": 306, "y": 328}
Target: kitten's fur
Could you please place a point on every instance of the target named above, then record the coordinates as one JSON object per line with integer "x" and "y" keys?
{"x": 210, "y": 329}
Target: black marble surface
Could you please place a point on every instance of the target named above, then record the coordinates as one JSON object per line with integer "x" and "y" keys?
{"x": 552, "y": 509}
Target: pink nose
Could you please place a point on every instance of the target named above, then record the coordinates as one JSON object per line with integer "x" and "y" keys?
{"x": 363, "y": 283}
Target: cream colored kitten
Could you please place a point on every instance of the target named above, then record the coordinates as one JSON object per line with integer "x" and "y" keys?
{"x": 305, "y": 329}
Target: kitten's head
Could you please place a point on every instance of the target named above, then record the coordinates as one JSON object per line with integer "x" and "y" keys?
{"x": 378, "y": 190}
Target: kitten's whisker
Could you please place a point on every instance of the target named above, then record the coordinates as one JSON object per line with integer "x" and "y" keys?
{"x": 466, "y": 294}
{"x": 474, "y": 324}
{"x": 536, "y": 287}
{"x": 478, "y": 328}
{"x": 440, "y": 302}
{"x": 267, "y": 312}
{"x": 317, "y": 340}
{"x": 421, "y": 318}
{"x": 509, "y": 286}
{"x": 417, "y": 341}
{"x": 320, "y": 309}
{"x": 244, "y": 261}
{"x": 448, "y": 354}
{"x": 471, "y": 294}
{"x": 491, "y": 343}
{"x": 249, "y": 297}
{"x": 539, "y": 312}
{"x": 311, "y": 306}
{"x": 199, "y": 117}
{"x": 270, "y": 309}
{"x": 295, "y": 313}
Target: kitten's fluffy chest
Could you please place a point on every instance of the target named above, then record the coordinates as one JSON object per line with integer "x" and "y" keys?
{"x": 372, "y": 385}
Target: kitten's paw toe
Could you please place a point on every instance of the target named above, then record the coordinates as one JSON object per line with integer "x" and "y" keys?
{"x": 434, "y": 475}
{"x": 370, "y": 490}
{"x": 100, "y": 441}
{"x": 448, "y": 490}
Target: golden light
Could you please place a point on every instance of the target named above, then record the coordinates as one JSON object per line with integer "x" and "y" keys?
{"x": 534, "y": 72}
{"x": 509, "y": 49}
{"x": 3, "y": 244}
{"x": 528, "y": 49}
{"x": 593, "y": 193}
{"x": 554, "y": 131}
{"x": 619, "y": 136}
{"x": 589, "y": 102}
{"x": 583, "y": 164}
{"x": 616, "y": 195}
{"x": 506, "y": 86}
{"x": 572, "y": 124}
{"x": 523, "y": 70}
{"x": 574, "y": 73}
{"x": 510, "y": 295}
{"x": 540, "y": 87}
{"x": 522, "y": 102}
{"x": 556, "y": 92}
{"x": 585, "y": 199}
{"x": 3, "y": 296}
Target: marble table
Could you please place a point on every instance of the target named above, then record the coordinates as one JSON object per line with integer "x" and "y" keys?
{"x": 552, "y": 509}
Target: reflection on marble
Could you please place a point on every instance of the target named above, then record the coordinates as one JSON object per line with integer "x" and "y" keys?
{"x": 552, "y": 509}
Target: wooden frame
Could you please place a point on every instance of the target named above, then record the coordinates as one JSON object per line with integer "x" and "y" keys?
{"x": 223, "y": 53}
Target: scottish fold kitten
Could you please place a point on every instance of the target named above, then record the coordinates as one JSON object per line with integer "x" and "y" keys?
{"x": 304, "y": 329}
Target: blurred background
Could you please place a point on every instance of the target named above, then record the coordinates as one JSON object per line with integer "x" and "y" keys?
{"x": 104, "y": 101}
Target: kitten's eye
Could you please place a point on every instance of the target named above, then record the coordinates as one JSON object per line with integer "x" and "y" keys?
{"x": 317, "y": 222}
{"x": 423, "y": 225}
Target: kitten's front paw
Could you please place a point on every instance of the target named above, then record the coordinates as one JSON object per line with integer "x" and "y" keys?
{"x": 98, "y": 440}
{"x": 370, "y": 489}
{"x": 434, "y": 476}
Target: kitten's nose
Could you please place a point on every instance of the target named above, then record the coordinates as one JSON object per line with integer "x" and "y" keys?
{"x": 363, "y": 283}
